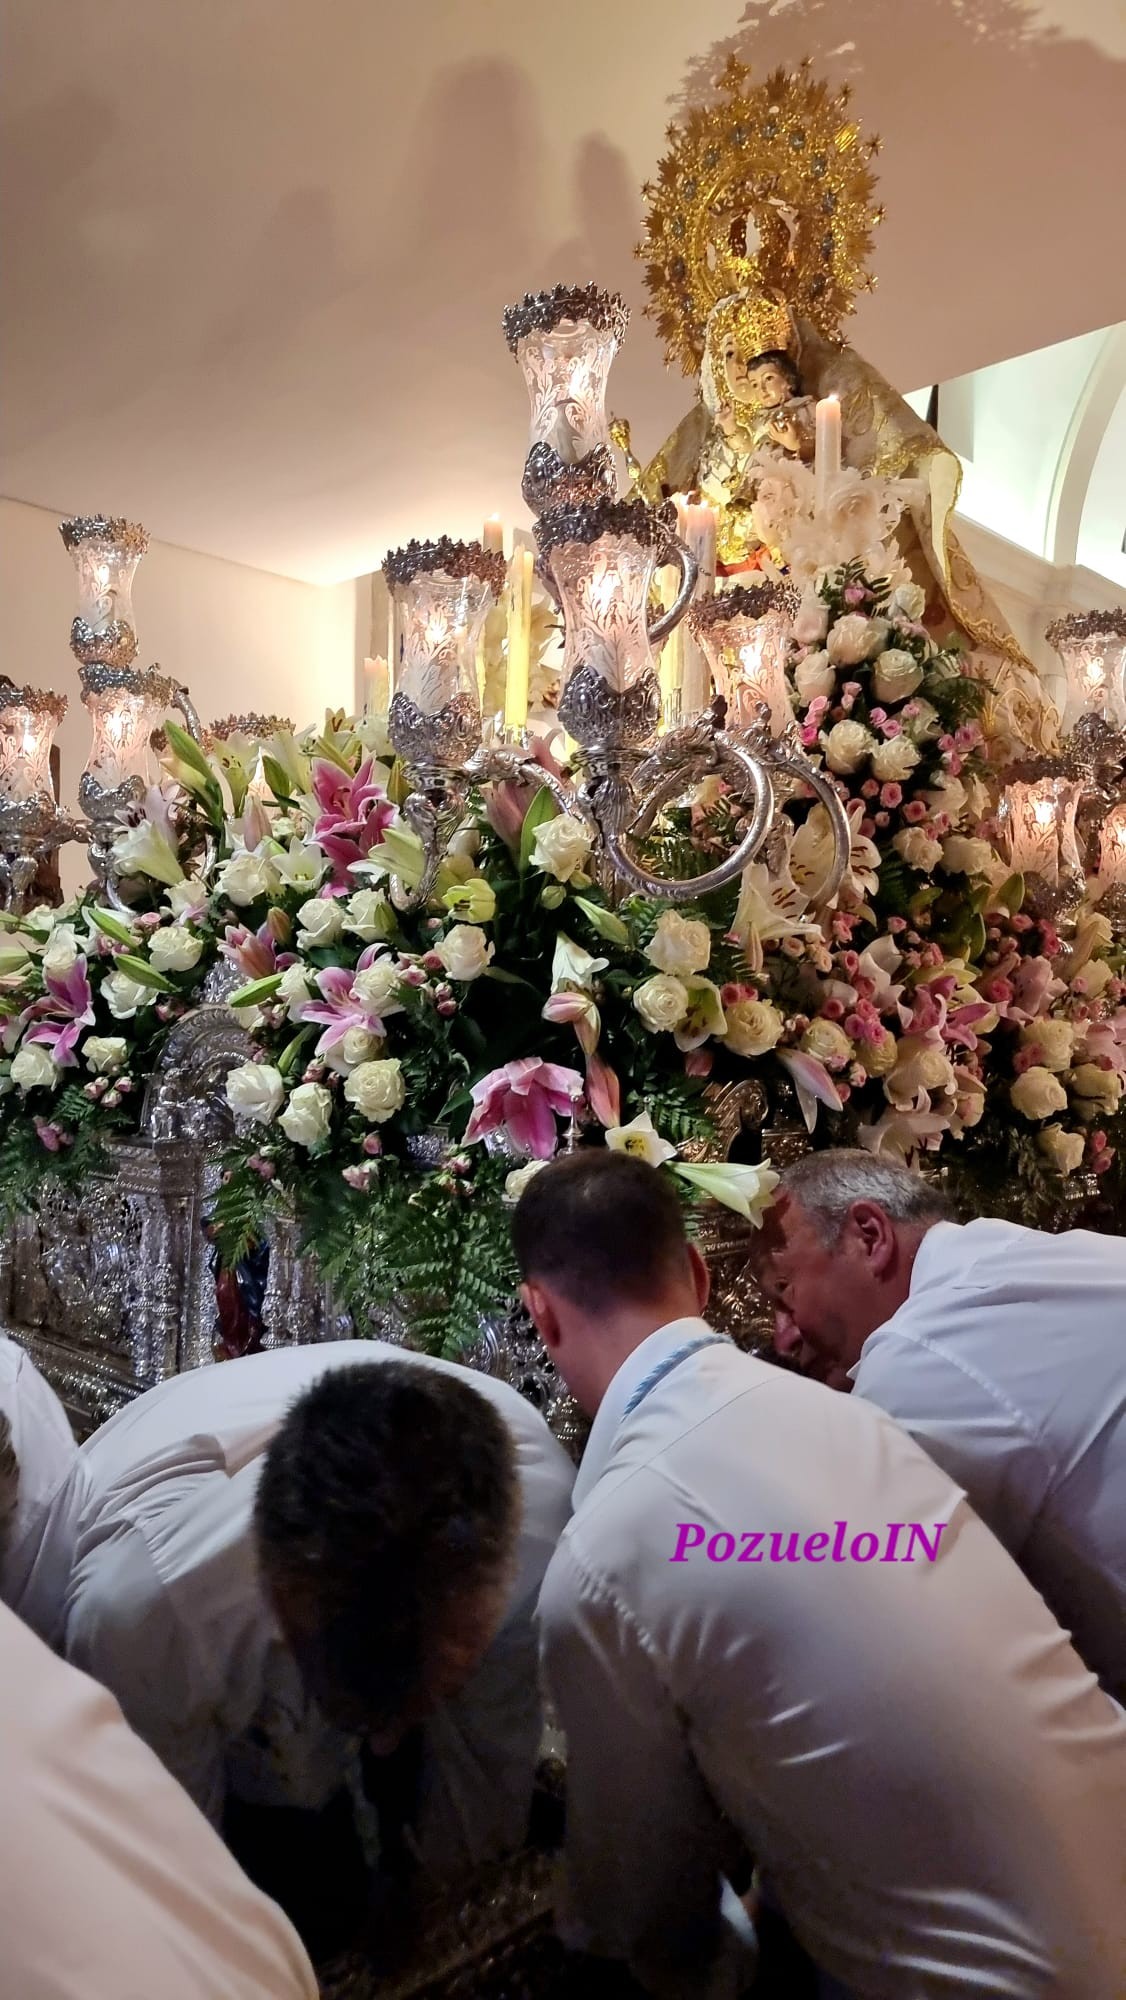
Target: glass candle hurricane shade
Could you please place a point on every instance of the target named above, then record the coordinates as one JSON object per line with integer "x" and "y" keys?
{"x": 1112, "y": 848}
{"x": 565, "y": 341}
{"x": 106, "y": 553}
{"x": 124, "y": 708}
{"x": 1037, "y": 816}
{"x": 1092, "y": 650}
{"x": 745, "y": 634}
{"x": 442, "y": 592}
{"x": 29, "y": 718}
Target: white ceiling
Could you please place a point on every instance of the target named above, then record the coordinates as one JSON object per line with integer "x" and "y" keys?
{"x": 257, "y": 250}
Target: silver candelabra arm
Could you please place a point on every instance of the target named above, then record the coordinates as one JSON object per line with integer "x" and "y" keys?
{"x": 182, "y": 700}
{"x": 680, "y": 759}
{"x": 782, "y": 758}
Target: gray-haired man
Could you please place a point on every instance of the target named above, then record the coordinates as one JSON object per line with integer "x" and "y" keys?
{"x": 1001, "y": 1349}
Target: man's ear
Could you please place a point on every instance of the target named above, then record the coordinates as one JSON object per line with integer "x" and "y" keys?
{"x": 537, "y": 1302}
{"x": 701, "y": 1277}
{"x": 873, "y": 1233}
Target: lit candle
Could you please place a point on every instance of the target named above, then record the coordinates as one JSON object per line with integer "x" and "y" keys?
{"x": 492, "y": 535}
{"x": 1112, "y": 849}
{"x": 696, "y": 526}
{"x": 671, "y": 672}
{"x": 377, "y": 687}
{"x": 827, "y": 450}
{"x": 519, "y": 596}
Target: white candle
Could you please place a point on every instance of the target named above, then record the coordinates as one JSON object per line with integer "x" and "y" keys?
{"x": 519, "y": 596}
{"x": 827, "y": 450}
{"x": 696, "y": 525}
{"x": 377, "y": 687}
{"x": 492, "y": 535}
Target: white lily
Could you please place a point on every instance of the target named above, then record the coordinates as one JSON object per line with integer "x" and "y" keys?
{"x": 641, "y": 1138}
{"x": 748, "y": 1190}
{"x": 572, "y": 966}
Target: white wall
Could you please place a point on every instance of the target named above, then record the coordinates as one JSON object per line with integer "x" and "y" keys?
{"x": 240, "y": 639}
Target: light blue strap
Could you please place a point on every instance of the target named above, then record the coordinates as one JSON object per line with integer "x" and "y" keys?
{"x": 671, "y": 1361}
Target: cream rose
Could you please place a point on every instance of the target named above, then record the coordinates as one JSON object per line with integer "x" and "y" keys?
{"x": 753, "y": 1027}
{"x": 963, "y": 856}
{"x": 815, "y": 675}
{"x": 367, "y": 915}
{"x": 465, "y": 952}
{"x": 662, "y": 1003}
{"x": 62, "y": 951}
{"x": 294, "y": 990}
{"x": 852, "y": 638}
{"x": 1063, "y": 1150}
{"x": 246, "y": 877}
{"x": 918, "y": 849}
{"x": 827, "y": 1042}
{"x": 321, "y": 920}
{"x": 562, "y": 847}
{"x": 308, "y": 1115}
{"x": 846, "y": 747}
{"x": 104, "y": 1054}
{"x": 680, "y": 945}
{"x": 924, "y": 723}
{"x": 919, "y": 1065}
{"x": 33, "y": 1069}
{"x": 895, "y": 675}
{"x": 175, "y": 948}
{"x": 908, "y": 600}
{"x": 356, "y": 1046}
{"x": 894, "y": 759}
{"x": 124, "y": 996}
{"x": 257, "y": 1091}
{"x": 1054, "y": 1041}
{"x": 1098, "y": 1090}
{"x": 1097, "y": 974}
{"x": 377, "y": 1090}
{"x": 880, "y": 1058}
{"x": 812, "y": 621}
{"x": 948, "y": 798}
{"x": 377, "y": 988}
{"x": 1037, "y": 1093}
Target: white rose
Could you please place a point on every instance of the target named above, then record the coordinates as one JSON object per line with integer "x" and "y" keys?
{"x": 185, "y": 896}
{"x": 827, "y": 1042}
{"x": 918, "y": 849}
{"x": 852, "y": 638}
{"x": 33, "y": 1069}
{"x": 814, "y": 675}
{"x": 1097, "y": 974}
{"x": 175, "y": 948}
{"x": 925, "y": 722}
{"x": 123, "y": 996}
{"x": 662, "y": 1003}
{"x": 1037, "y": 1093}
{"x": 308, "y": 1115}
{"x": 104, "y": 1054}
{"x": 465, "y": 951}
{"x": 908, "y": 600}
{"x": 368, "y": 915}
{"x": 895, "y": 675}
{"x": 562, "y": 847}
{"x": 812, "y": 621}
{"x": 62, "y": 951}
{"x": 949, "y": 798}
{"x": 377, "y": 1090}
{"x": 294, "y": 989}
{"x": 1053, "y": 1040}
{"x": 846, "y": 746}
{"x": 894, "y": 759}
{"x": 679, "y": 944}
{"x": 246, "y": 877}
{"x": 321, "y": 921}
{"x": 378, "y": 987}
{"x": 517, "y": 1180}
{"x": 753, "y": 1027}
{"x": 255, "y": 1090}
{"x": 356, "y": 1046}
{"x": 1099, "y": 1090}
{"x": 1063, "y": 1150}
{"x": 963, "y": 856}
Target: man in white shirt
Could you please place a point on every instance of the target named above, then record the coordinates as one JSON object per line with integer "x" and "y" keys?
{"x": 35, "y": 1571}
{"x": 742, "y": 1624}
{"x": 1002, "y": 1350}
{"x": 268, "y": 1584}
{"x": 112, "y": 1885}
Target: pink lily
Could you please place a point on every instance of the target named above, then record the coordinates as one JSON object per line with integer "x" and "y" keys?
{"x": 354, "y": 814}
{"x": 340, "y": 1009}
{"x": 66, "y": 1008}
{"x": 507, "y": 803}
{"x": 812, "y": 1082}
{"x": 255, "y": 953}
{"x": 603, "y": 1091}
{"x": 524, "y": 1098}
{"x": 580, "y": 1010}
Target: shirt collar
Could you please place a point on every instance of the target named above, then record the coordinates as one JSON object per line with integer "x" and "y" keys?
{"x": 927, "y": 1261}
{"x": 653, "y": 1349}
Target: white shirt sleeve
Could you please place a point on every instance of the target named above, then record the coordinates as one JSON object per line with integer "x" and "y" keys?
{"x": 963, "y": 1423}
{"x": 49, "y": 1496}
{"x": 123, "y": 1631}
{"x": 645, "y": 1844}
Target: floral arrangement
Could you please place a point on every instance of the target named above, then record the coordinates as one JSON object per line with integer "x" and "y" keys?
{"x": 408, "y": 1068}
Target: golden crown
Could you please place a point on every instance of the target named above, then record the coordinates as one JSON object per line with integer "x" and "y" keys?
{"x": 755, "y": 325}
{"x": 764, "y": 192}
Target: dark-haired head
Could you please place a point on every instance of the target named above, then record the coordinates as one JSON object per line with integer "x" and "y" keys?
{"x": 386, "y": 1522}
{"x": 599, "y": 1239}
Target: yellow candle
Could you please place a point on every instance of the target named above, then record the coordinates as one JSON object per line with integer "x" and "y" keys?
{"x": 492, "y": 535}
{"x": 827, "y": 451}
{"x": 377, "y": 687}
{"x": 671, "y": 670}
{"x": 519, "y": 596}
{"x": 696, "y": 526}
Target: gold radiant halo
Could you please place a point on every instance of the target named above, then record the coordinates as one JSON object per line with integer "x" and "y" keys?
{"x": 783, "y": 158}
